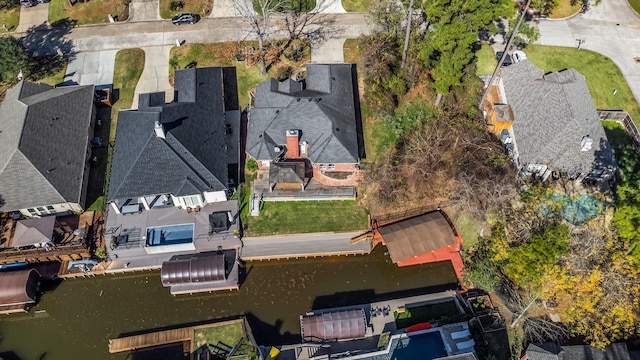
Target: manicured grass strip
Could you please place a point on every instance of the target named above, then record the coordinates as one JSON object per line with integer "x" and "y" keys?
{"x": 351, "y": 51}
{"x": 565, "y": 9}
{"x": 635, "y": 4}
{"x": 486, "y": 60}
{"x": 128, "y": 68}
{"x": 357, "y": 5}
{"x": 603, "y": 76}
{"x": 82, "y": 13}
{"x": 201, "y": 7}
{"x": 292, "y": 217}
{"x": 10, "y": 18}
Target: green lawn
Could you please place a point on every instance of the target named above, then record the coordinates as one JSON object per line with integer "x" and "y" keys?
{"x": 357, "y": 5}
{"x": 225, "y": 54}
{"x": 127, "y": 71}
{"x": 603, "y": 76}
{"x": 9, "y": 18}
{"x": 225, "y": 334}
{"x": 635, "y": 4}
{"x": 486, "y": 60}
{"x": 304, "y": 217}
{"x": 565, "y": 9}
{"x": 202, "y": 7}
{"x": 82, "y": 13}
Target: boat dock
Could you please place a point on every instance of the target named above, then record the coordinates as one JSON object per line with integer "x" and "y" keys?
{"x": 183, "y": 335}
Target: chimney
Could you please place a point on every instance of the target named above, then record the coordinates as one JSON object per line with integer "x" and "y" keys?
{"x": 159, "y": 130}
{"x": 293, "y": 148}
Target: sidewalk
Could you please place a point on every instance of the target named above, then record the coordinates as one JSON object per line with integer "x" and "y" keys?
{"x": 302, "y": 245}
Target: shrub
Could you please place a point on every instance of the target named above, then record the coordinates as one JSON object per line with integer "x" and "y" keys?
{"x": 295, "y": 52}
{"x": 252, "y": 165}
{"x": 175, "y": 5}
{"x": 101, "y": 252}
{"x": 283, "y": 72}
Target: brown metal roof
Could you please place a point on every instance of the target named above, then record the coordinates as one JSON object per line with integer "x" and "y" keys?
{"x": 200, "y": 268}
{"x": 33, "y": 231}
{"x": 19, "y": 287}
{"x": 417, "y": 235}
{"x": 346, "y": 324}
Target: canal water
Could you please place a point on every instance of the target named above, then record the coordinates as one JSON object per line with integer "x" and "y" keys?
{"x": 76, "y": 319}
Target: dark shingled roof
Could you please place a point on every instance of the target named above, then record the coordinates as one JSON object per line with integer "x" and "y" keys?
{"x": 287, "y": 172}
{"x": 44, "y": 140}
{"x": 417, "y": 235}
{"x": 551, "y": 351}
{"x": 553, "y": 113}
{"x": 192, "y": 158}
{"x": 325, "y": 112}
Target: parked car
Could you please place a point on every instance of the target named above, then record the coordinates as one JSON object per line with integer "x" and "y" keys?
{"x": 185, "y": 18}
{"x": 507, "y": 59}
{"x": 518, "y": 56}
{"x": 27, "y": 3}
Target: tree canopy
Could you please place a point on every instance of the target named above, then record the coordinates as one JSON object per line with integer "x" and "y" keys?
{"x": 13, "y": 58}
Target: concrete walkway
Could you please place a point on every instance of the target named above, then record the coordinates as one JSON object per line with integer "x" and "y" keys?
{"x": 329, "y": 7}
{"x": 33, "y": 16}
{"x": 144, "y": 10}
{"x": 302, "y": 245}
{"x": 612, "y": 28}
{"x": 155, "y": 76}
{"x": 89, "y": 68}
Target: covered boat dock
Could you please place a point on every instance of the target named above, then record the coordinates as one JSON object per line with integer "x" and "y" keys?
{"x": 18, "y": 290}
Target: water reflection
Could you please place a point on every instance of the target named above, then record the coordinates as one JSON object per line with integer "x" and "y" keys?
{"x": 82, "y": 314}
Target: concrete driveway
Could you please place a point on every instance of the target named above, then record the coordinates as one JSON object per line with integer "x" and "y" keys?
{"x": 329, "y": 7}
{"x": 155, "y": 76}
{"x": 33, "y": 16}
{"x": 611, "y": 28}
{"x": 88, "y": 68}
{"x": 144, "y": 10}
{"x": 226, "y": 8}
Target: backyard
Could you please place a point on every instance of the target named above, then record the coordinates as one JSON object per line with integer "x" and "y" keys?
{"x": 169, "y": 8}
{"x": 301, "y": 216}
{"x": 281, "y": 61}
{"x": 127, "y": 70}
{"x": 81, "y": 13}
{"x": 603, "y": 76}
{"x": 486, "y": 60}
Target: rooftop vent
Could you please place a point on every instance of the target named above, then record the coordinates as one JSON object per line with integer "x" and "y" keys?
{"x": 586, "y": 143}
{"x": 159, "y": 130}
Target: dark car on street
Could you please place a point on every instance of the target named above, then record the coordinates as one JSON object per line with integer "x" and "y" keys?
{"x": 507, "y": 59}
{"x": 185, "y": 18}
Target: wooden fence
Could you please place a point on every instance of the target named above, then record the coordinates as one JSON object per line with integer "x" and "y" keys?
{"x": 623, "y": 118}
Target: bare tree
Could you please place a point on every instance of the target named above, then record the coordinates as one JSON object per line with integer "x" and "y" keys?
{"x": 302, "y": 21}
{"x": 259, "y": 21}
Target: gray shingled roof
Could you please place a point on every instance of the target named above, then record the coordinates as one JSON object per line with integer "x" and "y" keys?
{"x": 192, "y": 158}
{"x": 551, "y": 351}
{"x": 325, "y": 112}
{"x": 553, "y": 113}
{"x": 44, "y": 140}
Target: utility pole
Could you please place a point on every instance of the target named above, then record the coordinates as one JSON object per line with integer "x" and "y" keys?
{"x": 513, "y": 35}
{"x": 407, "y": 36}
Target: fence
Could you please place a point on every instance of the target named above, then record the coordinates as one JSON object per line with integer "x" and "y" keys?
{"x": 623, "y": 118}
{"x": 382, "y": 218}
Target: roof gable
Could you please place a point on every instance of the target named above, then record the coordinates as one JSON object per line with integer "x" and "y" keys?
{"x": 192, "y": 156}
{"x": 552, "y": 115}
{"x": 324, "y": 112}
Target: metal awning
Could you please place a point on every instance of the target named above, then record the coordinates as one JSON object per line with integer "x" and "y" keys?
{"x": 345, "y": 324}
{"x": 199, "y": 268}
{"x": 33, "y": 231}
{"x": 417, "y": 235}
{"x": 19, "y": 287}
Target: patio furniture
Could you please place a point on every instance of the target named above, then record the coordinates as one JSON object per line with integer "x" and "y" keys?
{"x": 457, "y": 335}
{"x": 465, "y": 344}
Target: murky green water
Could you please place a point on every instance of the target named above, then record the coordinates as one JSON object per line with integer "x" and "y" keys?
{"x": 82, "y": 314}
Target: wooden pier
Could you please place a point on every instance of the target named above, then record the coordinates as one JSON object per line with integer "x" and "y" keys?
{"x": 136, "y": 342}
{"x": 183, "y": 335}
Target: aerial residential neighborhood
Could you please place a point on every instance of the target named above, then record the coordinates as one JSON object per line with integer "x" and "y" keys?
{"x": 320, "y": 179}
